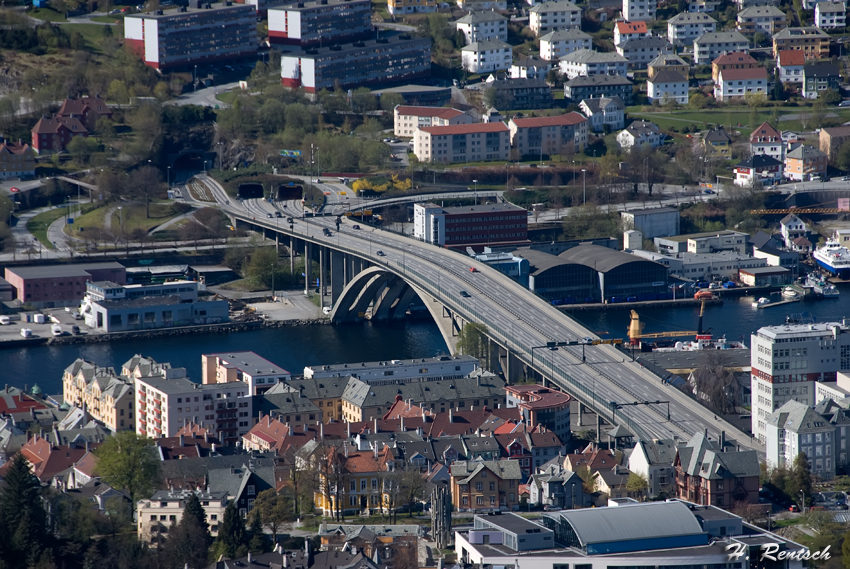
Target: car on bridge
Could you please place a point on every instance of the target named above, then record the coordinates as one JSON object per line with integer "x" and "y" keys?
{"x": 380, "y": 254}
{"x": 473, "y": 270}
{"x": 465, "y": 294}
{"x": 355, "y": 227}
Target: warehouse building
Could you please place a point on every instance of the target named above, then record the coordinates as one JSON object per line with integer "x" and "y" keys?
{"x": 654, "y": 222}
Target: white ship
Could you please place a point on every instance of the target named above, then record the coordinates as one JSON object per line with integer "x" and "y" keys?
{"x": 833, "y": 257}
{"x": 704, "y": 342}
{"x": 821, "y": 286}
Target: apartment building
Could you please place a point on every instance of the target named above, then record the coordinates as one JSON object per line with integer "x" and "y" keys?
{"x": 667, "y": 86}
{"x": 634, "y": 10}
{"x": 812, "y": 41}
{"x": 734, "y": 60}
{"x": 511, "y": 94}
{"x": 805, "y": 163}
{"x": 548, "y": 135}
{"x": 597, "y": 86}
{"x": 193, "y": 35}
{"x": 319, "y": 22}
{"x": 768, "y": 20}
{"x": 482, "y": 5}
{"x": 556, "y": 44}
{"x": 684, "y": 28}
{"x": 462, "y": 143}
{"x": 60, "y": 285}
{"x": 554, "y": 15}
{"x": 604, "y": 111}
{"x": 703, "y": 6}
{"x": 707, "y": 473}
{"x": 712, "y": 45}
{"x": 790, "y": 64}
{"x": 654, "y": 221}
{"x": 830, "y": 15}
{"x": 831, "y": 139}
{"x": 653, "y": 459}
{"x": 758, "y": 168}
{"x": 640, "y": 51}
{"x": 256, "y": 372}
{"x": 52, "y": 134}
{"x": 470, "y": 225}
{"x": 164, "y": 510}
{"x": 626, "y": 30}
{"x": 788, "y": 360}
{"x": 669, "y": 62}
{"x": 358, "y": 482}
{"x": 486, "y": 56}
{"x": 396, "y": 371}
{"x": 479, "y": 26}
{"x": 406, "y": 119}
{"x": 530, "y": 68}
{"x": 768, "y": 141}
{"x": 708, "y": 242}
{"x": 389, "y": 59}
{"x": 106, "y": 396}
{"x": 796, "y": 428}
{"x": 411, "y": 6}
{"x": 588, "y": 62}
{"x": 485, "y": 486}
{"x": 16, "y": 160}
{"x": 165, "y": 404}
{"x": 740, "y": 82}
{"x": 324, "y": 393}
{"x": 820, "y": 77}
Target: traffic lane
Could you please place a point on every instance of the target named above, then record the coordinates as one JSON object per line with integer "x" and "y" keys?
{"x": 13, "y": 187}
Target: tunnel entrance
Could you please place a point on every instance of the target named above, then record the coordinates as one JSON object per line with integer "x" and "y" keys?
{"x": 289, "y": 191}
{"x": 250, "y": 190}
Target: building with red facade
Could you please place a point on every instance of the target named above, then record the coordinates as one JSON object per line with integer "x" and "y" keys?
{"x": 542, "y": 406}
{"x": 710, "y": 473}
{"x": 52, "y": 134}
{"x": 60, "y": 285}
{"x": 470, "y": 226}
{"x": 88, "y": 109}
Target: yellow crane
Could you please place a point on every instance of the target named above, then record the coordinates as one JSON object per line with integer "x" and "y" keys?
{"x": 636, "y": 328}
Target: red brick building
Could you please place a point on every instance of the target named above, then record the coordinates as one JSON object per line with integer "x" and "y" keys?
{"x": 542, "y": 406}
{"x": 708, "y": 473}
{"x": 88, "y": 109}
{"x": 54, "y": 134}
{"x": 60, "y": 285}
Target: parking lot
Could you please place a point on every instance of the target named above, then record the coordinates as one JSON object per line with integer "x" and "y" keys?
{"x": 12, "y": 331}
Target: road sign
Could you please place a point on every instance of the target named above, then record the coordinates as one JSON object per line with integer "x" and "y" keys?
{"x": 290, "y": 153}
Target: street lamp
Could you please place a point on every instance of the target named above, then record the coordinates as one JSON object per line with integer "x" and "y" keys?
{"x": 584, "y": 184}
{"x": 219, "y": 144}
{"x": 507, "y": 182}
{"x": 195, "y": 78}
{"x": 168, "y": 174}
{"x": 476, "y": 191}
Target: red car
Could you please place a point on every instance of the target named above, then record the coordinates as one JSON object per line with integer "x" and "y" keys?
{"x": 14, "y": 190}
{"x": 794, "y": 508}
{"x": 473, "y": 270}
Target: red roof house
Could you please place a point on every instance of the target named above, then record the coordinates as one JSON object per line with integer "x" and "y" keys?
{"x": 54, "y": 134}
{"x": 88, "y": 109}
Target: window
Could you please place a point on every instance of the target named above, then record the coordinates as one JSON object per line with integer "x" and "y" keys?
{"x": 251, "y": 490}
{"x": 479, "y": 500}
{"x": 479, "y": 486}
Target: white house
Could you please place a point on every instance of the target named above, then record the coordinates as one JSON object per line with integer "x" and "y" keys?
{"x": 628, "y": 30}
{"x": 706, "y": 6}
{"x": 765, "y": 19}
{"x": 588, "y": 62}
{"x": 653, "y": 459}
{"x": 487, "y": 55}
{"x": 711, "y": 45}
{"x": 554, "y": 15}
{"x": 639, "y": 133}
{"x": 796, "y": 428}
{"x": 666, "y": 86}
{"x": 634, "y": 10}
{"x": 684, "y": 28}
{"x": 604, "y": 111}
{"x": 556, "y": 44}
{"x": 830, "y": 15}
{"x": 640, "y": 51}
{"x": 482, "y": 5}
{"x": 406, "y": 119}
{"x": 767, "y": 140}
{"x": 791, "y": 228}
{"x": 790, "y": 64}
{"x": 740, "y": 82}
{"x": 478, "y": 26}
{"x": 530, "y": 68}
{"x": 758, "y": 168}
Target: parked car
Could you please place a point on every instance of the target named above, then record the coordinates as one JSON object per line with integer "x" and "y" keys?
{"x": 844, "y": 103}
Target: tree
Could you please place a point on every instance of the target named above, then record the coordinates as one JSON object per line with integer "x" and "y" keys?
{"x": 145, "y": 185}
{"x": 473, "y": 341}
{"x": 842, "y": 160}
{"x": 830, "y": 96}
{"x": 23, "y": 522}
{"x": 81, "y": 149}
{"x": 188, "y": 543}
{"x": 716, "y": 384}
{"x": 232, "y": 538}
{"x": 259, "y": 541}
{"x": 588, "y": 479}
{"x": 799, "y": 483}
{"x": 390, "y": 100}
{"x": 778, "y": 89}
{"x": 697, "y": 101}
{"x": 271, "y": 511}
{"x": 128, "y": 461}
{"x": 637, "y": 483}
{"x": 411, "y": 484}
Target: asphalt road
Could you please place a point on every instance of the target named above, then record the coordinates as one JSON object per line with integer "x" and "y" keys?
{"x": 520, "y": 321}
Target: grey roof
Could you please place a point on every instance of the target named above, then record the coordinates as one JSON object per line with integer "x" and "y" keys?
{"x": 704, "y": 458}
{"x": 504, "y": 469}
{"x": 821, "y": 70}
{"x": 284, "y": 403}
{"x": 486, "y": 45}
{"x": 532, "y": 62}
{"x": 692, "y": 18}
{"x": 74, "y": 270}
{"x": 601, "y": 259}
{"x": 511, "y": 522}
{"x": 346, "y": 369}
{"x": 540, "y": 261}
{"x": 651, "y": 520}
{"x": 594, "y": 80}
{"x": 798, "y": 418}
{"x": 250, "y": 363}
{"x": 190, "y": 468}
{"x": 509, "y": 207}
{"x": 761, "y": 11}
{"x": 645, "y": 43}
{"x": 233, "y": 480}
{"x": 165, "y": 495}
{"x": 556, "y": 6}
{"x": 667, "y": 59}
{"x": 520, "y": 83}
{"x": 658, "y": 451}
{"x": 668, "y": 76}
{"x": 789, "y": 33}
{"x": 591, "y": 56}
{"x": 143, "y": 301}
{"x": 481, "y": 17}
{"x": 759, "y": 161}
{"x": 603, "y": 103}
{"x": 565, "y": 35}
{"x": 722, "y": 37}
{"x": 806, "y": 152}
{"x": 362, "y": 394}
{"x": 650, "y": 211}
{"x": 717, "y": 134}
{"x": 369, "y": 531}
{"x": 480, "y": 444}
{"x": 831, "y": 7}
{"x": 319, "y": 388}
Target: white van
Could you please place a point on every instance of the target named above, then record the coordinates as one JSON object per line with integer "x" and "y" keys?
{"x": 5, "y": 320}
{"x": 56, "y": 330}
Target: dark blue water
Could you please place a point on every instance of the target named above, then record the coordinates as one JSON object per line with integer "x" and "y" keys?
{"x": 734, "y": 319}
{"x": 291, "y": 348}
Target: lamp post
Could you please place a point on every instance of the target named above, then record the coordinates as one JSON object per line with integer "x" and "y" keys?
{"x": 584, "y": 184}
{"x": 168, "y": 175}
{"x": 195, "y": 78}
{"x": 507, "y": 182}
{"x": 476, "y": 191}
{"x": 219, "y": 144}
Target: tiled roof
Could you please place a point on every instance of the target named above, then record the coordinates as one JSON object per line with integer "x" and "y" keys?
{"x": 765, "y": 133}
{"x": 788, "y": 57}
{"x": 735, "y": 57}
{"x": 631, "y": 27}
{"x": 562, "y": 120}
{"x": 47, "y": 125}
{"x": 740, "y": 74}
{"x": 441, "y": 112}
{"x": 79, "y": 106}
{"x": 668, "y": 76}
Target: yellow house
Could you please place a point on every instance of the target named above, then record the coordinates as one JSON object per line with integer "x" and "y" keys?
{"x": 354, "y": 481}
{"x": 717, "y": 140}
{"x": 106, "y": 396}
{"x": 324, "y": 392}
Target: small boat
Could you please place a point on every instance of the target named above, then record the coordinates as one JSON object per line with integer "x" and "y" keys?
{"x": 829, "y": 291}
{"x": 761, "y": 301}
{"x": 789, "y": 293}
{"x": 821, "y": 286}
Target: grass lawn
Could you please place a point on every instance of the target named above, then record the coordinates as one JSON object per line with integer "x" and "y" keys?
{"x": 243, "y": 285}
{"x": 38, "y": 225}
{"x": 227, "y": 97}
{"x": 92, "y": 33}
{"x": 108, "y": 19}
{"x": 47, "y": 15}
{"x": 133, "y": 217}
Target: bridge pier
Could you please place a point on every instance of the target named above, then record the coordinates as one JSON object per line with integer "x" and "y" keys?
{"x": 292, "y": 256}
{"x": 337, "y": 275}
{"x": 307, "y": 262}
{"x": 322, "y": 282}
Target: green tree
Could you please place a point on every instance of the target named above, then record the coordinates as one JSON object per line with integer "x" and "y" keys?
{"x": 22, "y": 517}
{"x": 799, "y": 482}
{"x": 390, "y": 100}
{"x": 636, "y": 482}
{"x": 830, "y": 96}
{"x": 260, "y": 542}
{"x": 270, "y": 509}
{"x": 845, "y": 550}
{"x": 588, "y": 479}
{"x": 128, "y": 461}
{"x": 264, "y": 267}
{"x": 842, "y": 160}
{"x": 778, "y": 89}
{"x": 697, "y": 101}
{"x": 473, "y": 341}
{"x": 189, "y": 542}
{"x": 232, "y": 538}
{"x": 145, "y": 185}
{"x": 81, "y": 149}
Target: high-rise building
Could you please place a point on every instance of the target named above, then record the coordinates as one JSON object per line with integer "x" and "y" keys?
{"x": 320, "y": 22}
{"x": 788, "y": 360}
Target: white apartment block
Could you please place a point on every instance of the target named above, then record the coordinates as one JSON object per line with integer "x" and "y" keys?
{"x": 406, "y": 119}
{"x": 462, "y": 143}
{"x": 667, "y": 86}
{"x": 557, "y": 44}
{"x": 830, "y": 15}
{"x": 586, "y": 62}
{"x": 256, "y": 372}
{"x": 684, "y": 28}
{"x": 788, "y": 360}
{"x": 486, "y": 56}
{"x": 478, "y": 26}
{"x": 740, "y": 82}
{"x": 634, "y": 10}
{"x": 624, "y": 31}
{"x": 163, "y": 406}
{"x": 164, "y": 510}
{"x": 712, "y": 45}
{"x": 703, "y": 6}
{"x": 796, "y": 428}
{"x": 765, "y": 19}
{"x": 554, "y": 15}
{"x": 548, "y": 135}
